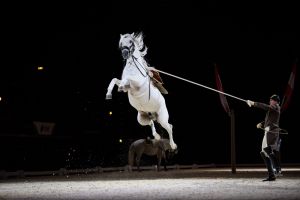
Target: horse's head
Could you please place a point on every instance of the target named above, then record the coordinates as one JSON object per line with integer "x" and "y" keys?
{"x": 126, "y": 45}
{"x": 132, "y": 44}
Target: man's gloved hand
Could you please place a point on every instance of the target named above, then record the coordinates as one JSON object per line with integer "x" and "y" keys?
{"x": 250, "y": 103}
{"x": 259, "y": 125}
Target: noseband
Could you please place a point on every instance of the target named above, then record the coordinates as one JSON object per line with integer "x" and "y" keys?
{"x": 127, "y": 51}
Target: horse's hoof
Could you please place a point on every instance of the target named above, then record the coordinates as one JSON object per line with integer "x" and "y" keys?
{"x": 108, "y": 96}
{"x": 174, "y": 146}
{"x": 157, "y": 136}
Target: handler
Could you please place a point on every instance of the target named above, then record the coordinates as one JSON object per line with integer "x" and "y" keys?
{"x": 271, "y": 136}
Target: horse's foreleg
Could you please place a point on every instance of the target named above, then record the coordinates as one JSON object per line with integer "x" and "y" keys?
{"x": 163, "y": 120}
{"x": 138, "y": 159}
{"x": 154, "y": 133}
{"x": 123, "y": 85}
{"x": 111, "y": 87}
{"x": 159, "y": 156}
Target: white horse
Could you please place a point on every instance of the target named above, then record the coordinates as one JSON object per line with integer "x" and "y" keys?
{"x": 137, "y": 81}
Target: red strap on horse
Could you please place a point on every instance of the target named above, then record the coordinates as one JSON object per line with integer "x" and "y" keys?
{"x": 156, "y": 76}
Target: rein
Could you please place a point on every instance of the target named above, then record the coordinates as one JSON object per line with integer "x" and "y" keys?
{"x": 144, "y": 75}
{"x": 135, "y": 59}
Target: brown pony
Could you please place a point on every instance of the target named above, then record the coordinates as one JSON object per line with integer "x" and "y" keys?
{"x": 150, "y": 147}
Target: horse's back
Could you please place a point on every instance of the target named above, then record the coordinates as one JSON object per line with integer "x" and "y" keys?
{"x": 157, "y": 147}
{"x": 137, "y": 145}
{"x": 144, "y": 146}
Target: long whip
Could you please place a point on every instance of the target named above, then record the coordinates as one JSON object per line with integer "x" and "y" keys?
{"x": 198, "y": 84}
{"x": 281, "y": 131}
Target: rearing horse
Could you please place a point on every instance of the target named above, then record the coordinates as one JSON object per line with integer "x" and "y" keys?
{"x": 137, "y": 81}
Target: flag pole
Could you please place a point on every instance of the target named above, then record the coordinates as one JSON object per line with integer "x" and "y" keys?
{"x": 232, "y": 121}
{"x": 198, "y": 84}
{"x": 232, "y": 142}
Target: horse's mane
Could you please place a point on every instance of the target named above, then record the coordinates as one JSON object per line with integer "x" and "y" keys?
{"x": 138, "y": 38}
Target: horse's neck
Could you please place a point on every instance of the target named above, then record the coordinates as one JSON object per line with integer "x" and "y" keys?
{"x": 135, "y": 67}
{"x": 131, "y": 71}
{"x": 139, "y": 61}
{"x": 142, "y": 62}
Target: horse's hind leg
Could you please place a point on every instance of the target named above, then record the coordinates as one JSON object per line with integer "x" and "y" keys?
{"x": 164, "y": 159}
{"x": 138, "y": 159}
{"x": 154, "y": 133}
{"x": 162, "y": 119}
{"x": 143, "y": 119}
{"x": 169, "y": 128}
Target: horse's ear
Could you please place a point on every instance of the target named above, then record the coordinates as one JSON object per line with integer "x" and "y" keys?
{"x": 132, "y": 34}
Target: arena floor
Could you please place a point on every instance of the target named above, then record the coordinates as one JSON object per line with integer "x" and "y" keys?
{"x": 212, "y": 183}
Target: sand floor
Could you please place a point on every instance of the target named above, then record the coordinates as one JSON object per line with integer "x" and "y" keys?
{"x": 173, "y": 184}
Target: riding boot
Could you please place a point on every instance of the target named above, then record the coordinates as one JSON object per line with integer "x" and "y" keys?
{"x": 276, "y": 161}
{"x": 268, "y": 164}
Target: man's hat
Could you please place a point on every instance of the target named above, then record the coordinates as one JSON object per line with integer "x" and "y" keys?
{"x": 275, "y": 97}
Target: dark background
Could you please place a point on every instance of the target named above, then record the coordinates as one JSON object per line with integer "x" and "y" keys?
{"x": 254, "y": 46}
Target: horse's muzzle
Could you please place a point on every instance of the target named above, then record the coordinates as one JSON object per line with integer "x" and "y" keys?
{"x": 125, "y": 52}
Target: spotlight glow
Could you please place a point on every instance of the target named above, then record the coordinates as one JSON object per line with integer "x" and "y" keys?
{"x": 40, "y": 68}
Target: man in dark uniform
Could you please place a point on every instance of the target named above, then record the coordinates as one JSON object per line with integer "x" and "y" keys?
{"x": 271, "y": 135}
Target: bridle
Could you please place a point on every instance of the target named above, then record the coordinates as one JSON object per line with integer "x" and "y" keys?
{"x": 127, "y": 51}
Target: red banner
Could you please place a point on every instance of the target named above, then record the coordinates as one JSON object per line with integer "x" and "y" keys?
{"x": 220, "y": 88}
{"x": 289, "y": 90}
